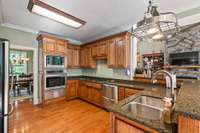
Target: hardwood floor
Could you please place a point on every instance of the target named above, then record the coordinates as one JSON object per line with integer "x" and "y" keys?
{"x": 63, "y": 117}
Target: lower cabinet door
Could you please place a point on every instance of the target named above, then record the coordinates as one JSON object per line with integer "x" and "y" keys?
{"x": 71, "y": 89}
{"x": 97, "y": 97}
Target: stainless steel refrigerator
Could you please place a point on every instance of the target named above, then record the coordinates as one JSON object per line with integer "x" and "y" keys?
{"x": 4, "y": 85}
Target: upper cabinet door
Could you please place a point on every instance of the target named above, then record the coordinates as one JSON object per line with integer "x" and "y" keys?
{"x": 69, "y": 58}
{"x": 52, "y": 45}
{"x": 111, "y": 54}
{"x": 94, "y": 50}
{"x": 102, "y": 49}
{"x": 49, "y": 45}
{"x": 61, "y": 46}
{"x": 76, "y": 57}
{"x": 120, "y": 52}
{"x": 73, "y": 56}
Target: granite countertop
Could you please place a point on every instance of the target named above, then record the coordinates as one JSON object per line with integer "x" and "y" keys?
{"x": 149, "y": 89}
{"x": 158, "y": 125}
{"x": 117, "y": 82}
{"x": 188, "y": 100}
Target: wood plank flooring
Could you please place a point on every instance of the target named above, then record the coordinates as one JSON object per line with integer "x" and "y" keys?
{"x": 63, "y": 117}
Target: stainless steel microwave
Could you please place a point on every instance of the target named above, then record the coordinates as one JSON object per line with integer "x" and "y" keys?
{"x": 52, "y": 61}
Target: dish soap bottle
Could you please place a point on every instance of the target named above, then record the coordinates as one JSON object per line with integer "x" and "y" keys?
{"x": 167, "y": 110}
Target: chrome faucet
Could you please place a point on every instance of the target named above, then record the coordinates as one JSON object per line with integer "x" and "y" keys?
{"x": 171, "y": 81}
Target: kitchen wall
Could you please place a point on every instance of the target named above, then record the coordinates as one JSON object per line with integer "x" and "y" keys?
{"x": 185, "y": 41}
{"x": 103, "y": 71}
{"x": 17, "y": 37}
{"x": 30, "y": 62}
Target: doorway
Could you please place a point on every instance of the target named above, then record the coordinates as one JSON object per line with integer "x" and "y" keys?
{"x": 21, "y": 75}
{"x": 24, "y": 73}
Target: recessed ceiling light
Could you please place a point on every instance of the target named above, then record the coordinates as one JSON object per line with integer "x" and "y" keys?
{"x": 43, "y": 9}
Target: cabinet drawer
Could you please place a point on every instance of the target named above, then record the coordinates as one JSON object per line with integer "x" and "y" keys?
{"x": 93, "y": 85}
{"x": 131, "y": 91}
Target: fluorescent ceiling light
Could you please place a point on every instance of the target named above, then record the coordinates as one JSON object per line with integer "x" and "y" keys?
{"x": 43, "y": 9}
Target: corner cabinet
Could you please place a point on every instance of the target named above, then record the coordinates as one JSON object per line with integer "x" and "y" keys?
{"x": 52, "y": 45}
{"x": 119, "y": 51}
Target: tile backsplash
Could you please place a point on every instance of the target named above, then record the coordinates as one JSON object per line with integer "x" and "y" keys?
{"x": 102, "y": 70}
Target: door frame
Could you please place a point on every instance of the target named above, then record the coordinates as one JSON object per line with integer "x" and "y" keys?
{"x": 35, "y": 69}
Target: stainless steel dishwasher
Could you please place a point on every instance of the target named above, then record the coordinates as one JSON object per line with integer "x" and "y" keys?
{"x": 110, "y": 94}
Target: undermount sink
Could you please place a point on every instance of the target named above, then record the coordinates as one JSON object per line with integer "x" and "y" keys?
{"x": 145, "y": 107}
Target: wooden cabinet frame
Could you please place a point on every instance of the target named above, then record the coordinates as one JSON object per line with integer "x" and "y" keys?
{"x": 128, "y": 125}
{"x": 53, "y": 45}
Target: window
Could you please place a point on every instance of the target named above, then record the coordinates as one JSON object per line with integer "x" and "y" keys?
{"x": 18, "y": 66}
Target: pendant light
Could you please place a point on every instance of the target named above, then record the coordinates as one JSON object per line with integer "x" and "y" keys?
{"x": 155, "y": 25}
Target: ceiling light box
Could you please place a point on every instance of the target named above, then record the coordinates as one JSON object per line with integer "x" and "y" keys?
{"x": 43, "y": 9}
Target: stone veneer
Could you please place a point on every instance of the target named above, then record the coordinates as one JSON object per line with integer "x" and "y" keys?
{"x": 187, "y": 40}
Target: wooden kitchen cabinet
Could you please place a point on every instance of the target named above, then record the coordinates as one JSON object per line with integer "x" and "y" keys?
{"x": 73, "y": 56}
{"x": 125, "y": 92}
{"x": 49, "y": 45}
{"x": 132, "y": 91}
{"x": 83, "y": 91}
{"x": 86, "y": 58}
{"x": 99, "y": 50}
{"x": 72, "y": 87}
{"x": 102, "y": 49}
{"x": 90, "y": 92}
{"x": 119, "y": 51}
{"x": 121, "y": 124}
{"x": 52, "y": 45}
{"x": 111, "y": 54}
{"x": 94, "y": 93}
{"x": 61, "y": 47}
{"x": 94, "y": 49}
{"x": 188, "y": 125}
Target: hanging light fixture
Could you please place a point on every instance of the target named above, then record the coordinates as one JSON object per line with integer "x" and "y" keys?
{"x": 43, "y": 9}
{"x": 155, "y": 25}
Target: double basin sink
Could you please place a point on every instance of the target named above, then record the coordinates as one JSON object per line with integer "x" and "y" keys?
{"x": 146, "y": 107}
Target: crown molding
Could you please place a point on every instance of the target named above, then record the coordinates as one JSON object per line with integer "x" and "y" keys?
{"x": 17, "y": 27}
{"x": 189, "y": 20}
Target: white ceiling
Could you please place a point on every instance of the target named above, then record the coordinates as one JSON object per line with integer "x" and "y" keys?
{"x": 102, "y": 16}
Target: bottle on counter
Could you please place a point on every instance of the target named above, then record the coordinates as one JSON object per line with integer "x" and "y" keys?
{"x": 167, "y": 113}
